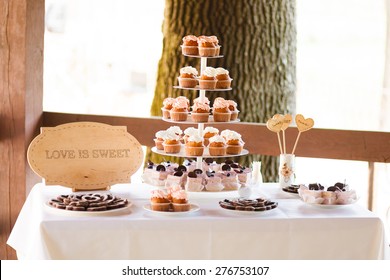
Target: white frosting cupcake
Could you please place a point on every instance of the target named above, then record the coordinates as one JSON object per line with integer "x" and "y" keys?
{"x": 189, "y": 70}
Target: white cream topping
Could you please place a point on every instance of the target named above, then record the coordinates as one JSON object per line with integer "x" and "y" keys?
{"x": 161, "y": 134}
{"x": 221, "y": 71}
{"x": 175, "y": 129}
{"x": 189, "y": 70}
{"x": 191, "y": 131}
{"x": 230, "y": 135}
{"x": 171, "y": 136}
{"x": 218, "y": 139}
{"x": 210, "y": 129}
{"x": 209, "y": 72}
{"x": 195, "y": 138}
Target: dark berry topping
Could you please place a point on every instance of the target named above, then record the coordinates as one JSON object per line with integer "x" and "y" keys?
{"x": 192, "y": 174}
{"x": 160, "y": 167}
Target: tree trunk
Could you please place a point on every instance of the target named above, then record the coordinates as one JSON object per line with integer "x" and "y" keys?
{"x": 258, "y": 39}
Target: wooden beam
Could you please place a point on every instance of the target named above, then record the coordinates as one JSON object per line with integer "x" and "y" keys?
{"x": 316, "y": 143}
{"x": 21, "y": 87}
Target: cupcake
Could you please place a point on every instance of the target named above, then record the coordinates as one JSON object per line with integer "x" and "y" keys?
{"x": 190, "y": 45}
{"x": 200, "y": 112}
{"x": 202, "y": 100}
{"x": 180, "y": 201}
{"x": 233, "y": 141}
{"x": 176, "y": 130}
{"x": 179, "y": 111}
{"x": 230, "y": 180}
{"x": 159, "y": 201}
{"x": 210, "y": 164}
{"x": 155, "y": 174}
{"x": 167, "y": 106}
{"x": 188, "y": 132}
{"x": 171, "y": 143}
{"x": 213, "y": 182}
{"x": 189, "y": 164}
{"x": 208, "y": 46}
{"x": 171, "y": 189}
{"x": 244, "y": 174}
{"x": 176, "y": 179}
{"x": 194, "y": 182}
{"x": 329, "y": 197}
{"x": 207, "y": 80}
{"x": 188, "y": 77}
{"x": 209, "y": 132}
{"x": 217, "y": 146}
{"x": 194, "y": 146}
{"x": 233, "y": 110}
{"x": 221, "y": 112}
{"x": 223, "y": 79}
{"x": 159, "y": 139}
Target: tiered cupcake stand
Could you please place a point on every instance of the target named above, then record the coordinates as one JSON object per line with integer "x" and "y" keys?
{"x": 202, "y": 95}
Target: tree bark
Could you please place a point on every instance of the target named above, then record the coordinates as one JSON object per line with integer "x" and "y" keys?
{"x": 21, "y": 93}
{"x": 258, "y": 39}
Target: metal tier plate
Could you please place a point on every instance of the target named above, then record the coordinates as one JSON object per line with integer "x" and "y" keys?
{"x": 190, "y": 121}
{"x": 206, "y": 153}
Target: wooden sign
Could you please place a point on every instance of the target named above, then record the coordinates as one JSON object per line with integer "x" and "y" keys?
{"x": 85, "y": 155}
{"x": 287, "y": 119}
{"x": 303, "y": 124}
{"x": 275, "y": 123}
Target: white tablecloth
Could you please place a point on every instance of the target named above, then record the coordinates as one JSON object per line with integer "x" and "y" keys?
{"x": 294, "y": 230}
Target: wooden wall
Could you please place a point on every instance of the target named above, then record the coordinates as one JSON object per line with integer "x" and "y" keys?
{"x": 21, "y": 91}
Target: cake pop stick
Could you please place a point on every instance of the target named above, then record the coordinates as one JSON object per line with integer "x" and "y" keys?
{"x": 286, "y": 122}
{"x": 275, "y": 124}
{"x": 302, "y": 125}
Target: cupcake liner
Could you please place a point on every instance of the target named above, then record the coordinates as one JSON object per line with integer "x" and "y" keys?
{"x": 165, "y": 113}
{"x": 223, "y": 84}
{"x": 159, "y": 144}
{"x": 187, "y": 82}
{"x": 207, "y": 51}
{"x": 217, "y": 151}
{"x": 234, "y": 115}
{"x": 171, "y": 148}
{"x": 200, "y": 117}
{"x": 221, "y": 117}
{"x": 181, "y": 207}
{"x": 207, "y": 84}
{"x": 178, "y": 116}
{"x": 234, "y": 149}
{"x": 165, "y": 207}
{"x": 194, "y": 151}
{"x": 189, "y": 50}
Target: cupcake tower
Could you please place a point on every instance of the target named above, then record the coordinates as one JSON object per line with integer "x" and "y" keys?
{"x": 178, "y": 109}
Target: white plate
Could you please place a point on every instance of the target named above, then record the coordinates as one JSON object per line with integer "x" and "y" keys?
{"x": 190, "y": 121}
{"x": 198, "y": 88}
{"x": 247, "y": 213}
{"x": 328, "y": 206}
{"x": 113, "y": 212}
{"x": 193, "y": 208}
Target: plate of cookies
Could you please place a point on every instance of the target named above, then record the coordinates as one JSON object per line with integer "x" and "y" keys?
{"x": 292, "y": 189}
{"x": 88, "y": 204}
{"x": 243, "y": 206}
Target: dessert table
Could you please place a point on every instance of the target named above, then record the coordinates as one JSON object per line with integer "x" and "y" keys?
{"x": 293, "y": 230}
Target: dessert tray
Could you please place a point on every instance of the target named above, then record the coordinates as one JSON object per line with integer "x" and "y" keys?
{"x": 193, "y": 208}
{"x": 88, "y": 204}
{"x": 258, "y": 206}
{"x": 332, "y": 197}
{"x": 73, "y": 213}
